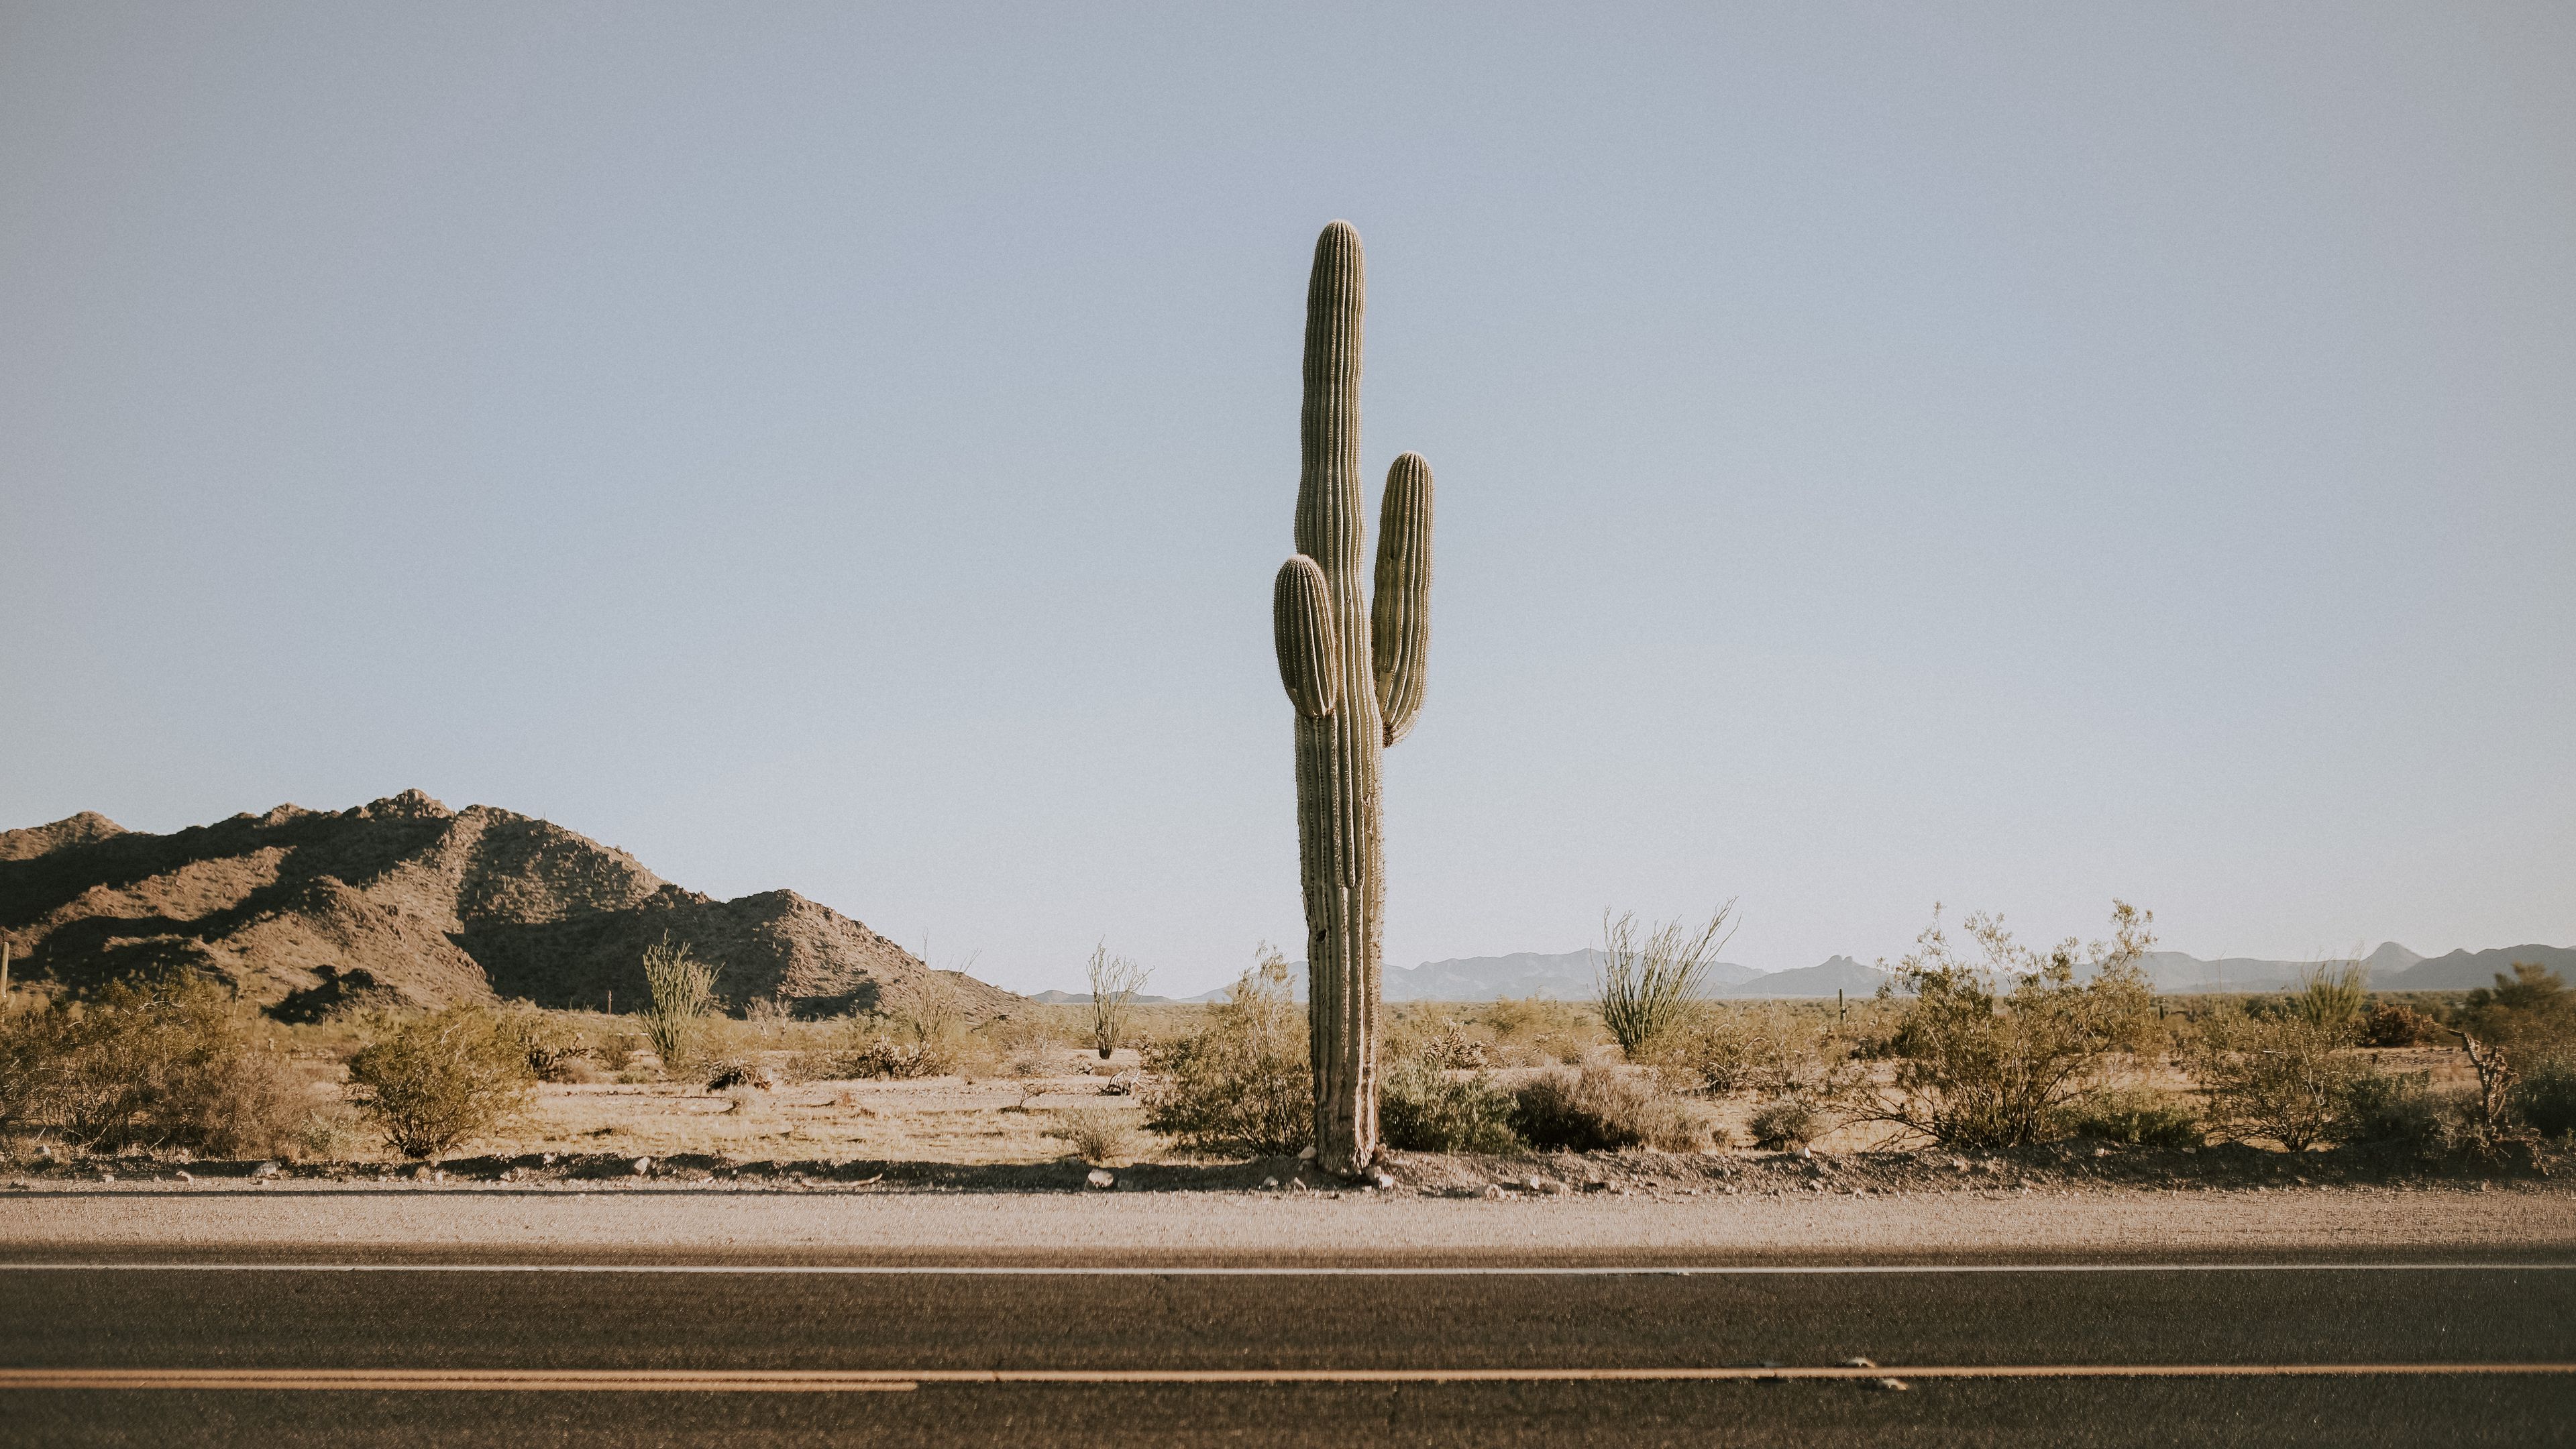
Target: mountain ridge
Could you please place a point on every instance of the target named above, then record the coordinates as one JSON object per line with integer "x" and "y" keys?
{"x": 404, "y": 902}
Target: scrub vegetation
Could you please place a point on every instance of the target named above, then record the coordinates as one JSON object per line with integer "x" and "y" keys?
{"x": 1980, "y": 1049}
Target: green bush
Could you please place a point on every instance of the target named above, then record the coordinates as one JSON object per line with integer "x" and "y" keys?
{"x": 1597, "y": 1109}
{"x": 555, "y": 1048}
{"x": 1648, "y": 980}
{"x": 1991, "y": 1052}
{"x": 169, "y": 1060}
{"x": 684, "y": 997}
{"x": 1787, "y": 1124}
{"x": 1712, "y": 1049}
{"x": 1241, "y": 1083}
{"x": 2545, "y": 1098}
{"x": 2531, "y": 1009}
{"x": 2280, "y": 1077}
{"x": 2393, "y": 1024}
{"x": 2134, "y": 1117}
{"x": 2401, "y": 1109}
{"x": 1420, "y": 1108}
{"x": 436, "y": 1080}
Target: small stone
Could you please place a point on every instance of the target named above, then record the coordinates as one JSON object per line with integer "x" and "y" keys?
{"x": 420, "y": 1173}
{"x": 107, "y": 1177}
{"x": 438, "y": 1177}
{"x": 1893, "y": 1386}
{"x": 186, "y": 1176}
{"x": 2101, "y": 1151}
{"x": 643, "y": 1167}
{"x": 547, "y": 1160}
{"x": 1269, "y": 1184}
{"x": 1382, "y": 1179}
{"x": 1101, "y": 1177}
{"x": 1298, "y": 1184}
{"x": 1306, "y": 1153}
{"x": 1493, "y": 1191}
{"x": 1858, "y": 1363}
{"x": 265, "y": 1169}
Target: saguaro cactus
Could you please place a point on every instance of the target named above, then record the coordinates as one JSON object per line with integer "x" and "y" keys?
{"x": 1355, "y": 676}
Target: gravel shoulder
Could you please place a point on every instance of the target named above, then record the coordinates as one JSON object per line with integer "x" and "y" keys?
{"x": 659, "y": 1220}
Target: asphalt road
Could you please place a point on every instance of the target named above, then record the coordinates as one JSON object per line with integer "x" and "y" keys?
{"x": 1087, "y": 1351}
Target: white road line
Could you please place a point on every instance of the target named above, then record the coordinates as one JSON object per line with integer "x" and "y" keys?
{"x": 882, "y": 1380}
{"x": 1641, "y": 1270}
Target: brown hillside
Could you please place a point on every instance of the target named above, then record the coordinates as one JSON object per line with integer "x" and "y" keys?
{"x": 403, "y": 901}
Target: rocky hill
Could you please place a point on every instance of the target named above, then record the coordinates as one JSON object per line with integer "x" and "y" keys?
{"x": 406, "y": 902}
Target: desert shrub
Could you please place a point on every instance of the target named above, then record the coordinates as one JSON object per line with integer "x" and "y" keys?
{"x": 1786, "y": 1124}
{"x": 1537, "y": 1032}
{"x": 434, "y": 1081}
{"x": 1452, "y": 1046}
{"x": 2401, "y": 1109}
{"x": 2330, "y": 996}
{"x": 167, "y": 1060}
{"x": 882, "y": 1056}
{"x": 1099, "y": 1134}
{"x": 2545, "y": 1098}
{"x": 744, "y": 1072}
{"x": 1649, "y": 980}
{"x": 684, "y": 997}
{"x": 2529, "y": 1010}
{"x": 1421, "y": 1108}
{"x": 2394, "y": 1024}
{"x": 1712, "y": 1049}
{"x": 1115, "y": 980}
{"x": 2134, "y": 1117}
{"x": 615, "y": 1049}
{"x": 2280, "y": 1077}
{"x": 1241, "y": 1083}
{"x": 555, "y": 1048}
{"x": 1596, "y": 1109}
{"x": 1990, "y": 1052}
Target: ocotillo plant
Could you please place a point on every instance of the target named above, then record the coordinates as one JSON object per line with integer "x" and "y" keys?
{"x": 1355, "y": 676}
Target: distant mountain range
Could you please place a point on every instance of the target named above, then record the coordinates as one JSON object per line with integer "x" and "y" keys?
{"x": 1570, "y": 976}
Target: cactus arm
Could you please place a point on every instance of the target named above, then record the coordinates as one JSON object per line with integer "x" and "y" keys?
{"x": 1400, "y": 615}
{"x": 1301, "y": 619}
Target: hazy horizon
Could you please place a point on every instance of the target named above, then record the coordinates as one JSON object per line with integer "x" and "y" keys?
{"x": 2011, "y": 457}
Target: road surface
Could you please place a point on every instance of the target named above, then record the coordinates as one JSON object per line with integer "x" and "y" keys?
{"x": 279, "y": 1348}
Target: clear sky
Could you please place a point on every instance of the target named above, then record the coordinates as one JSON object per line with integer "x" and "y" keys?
{"x": 2007, "y": 455}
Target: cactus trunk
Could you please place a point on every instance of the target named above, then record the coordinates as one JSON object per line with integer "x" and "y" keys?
{"x": 1356, "y": 681}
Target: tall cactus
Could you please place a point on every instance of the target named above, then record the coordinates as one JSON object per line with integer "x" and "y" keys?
{"x": 1356, "y": 689}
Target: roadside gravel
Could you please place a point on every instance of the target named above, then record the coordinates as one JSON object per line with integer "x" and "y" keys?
{"x": 648, "y": 1218}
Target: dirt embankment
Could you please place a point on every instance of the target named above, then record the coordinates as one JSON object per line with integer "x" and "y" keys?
{"x": 405, "y": 902}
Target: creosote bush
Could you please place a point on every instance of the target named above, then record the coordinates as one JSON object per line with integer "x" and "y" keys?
{"x": 1422, "y": 1108}
{"x": 2527, "y": 1012}
{"x": 1786, "y": 1124}
{"x": 2395, "y": 1024}
{"x": 1990, "y": 1052}
{"x": 434, "y": 1081}
{"x": 1597, "y": 1109}
{"x": 2545, "y": 1098}
{"x": 1100, "y": 1134}
{"x": 1242, "y": 1083}
{"x": 2134, "y": 1117}
{"x": 555, "y": 1048}
{"x": 2282, "y": 1077}
{"x": 157, "y": 1061}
